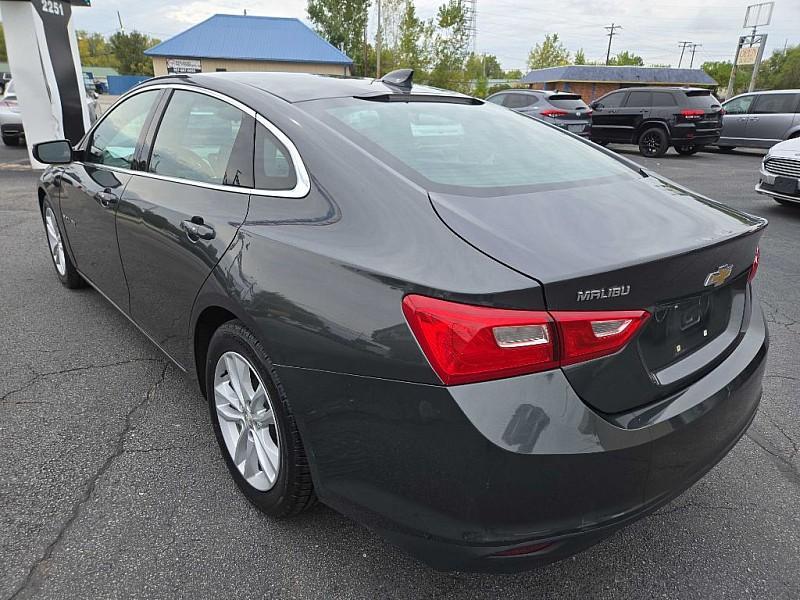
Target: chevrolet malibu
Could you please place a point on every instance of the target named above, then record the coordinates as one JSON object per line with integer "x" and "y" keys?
{"x": 476, "y": 333}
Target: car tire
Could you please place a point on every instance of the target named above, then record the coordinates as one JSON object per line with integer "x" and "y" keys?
{"x": 726, "y": 149}
{"x": 687, "y": 150}
{"x": 279, "y": 480}
{"x": 65, "y": 270}
{"x": 653, "y": 143}
{"x": 11, "y": 140}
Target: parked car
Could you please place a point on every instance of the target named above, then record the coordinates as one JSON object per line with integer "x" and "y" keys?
{"x": 492, "y": 342}
{"x": 11, "y": 126}
{"x": 780, "y": 172}
{"x": 10, "y": 118}
{"x": 760, "y": 119}
{"x": 563, "y": 109}
{"x": 656, "y": 118}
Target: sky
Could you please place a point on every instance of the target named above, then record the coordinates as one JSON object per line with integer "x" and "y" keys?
{"x": 510, "y": 28}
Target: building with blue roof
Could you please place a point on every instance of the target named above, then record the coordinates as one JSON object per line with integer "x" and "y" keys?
{"x": 248, "y": 43}
{"x": 593, "y": 81}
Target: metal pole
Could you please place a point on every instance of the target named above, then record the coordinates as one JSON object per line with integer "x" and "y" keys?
{"x": 683, "y": 49}
{"x": 762, "y": 43}
{"x": 732, "y": 80}
{"x": 694, "y": 48}
{"x": 378, "y": 45}
{"x": 611, "y": 33}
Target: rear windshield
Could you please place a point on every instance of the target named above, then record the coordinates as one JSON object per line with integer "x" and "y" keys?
{"x": 468, "y": 146}
{"x": 702, "y": 99}
{"x": 567, "y": 101}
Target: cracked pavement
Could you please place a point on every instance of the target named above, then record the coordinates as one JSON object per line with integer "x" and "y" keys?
{"x": 112, "y": 486}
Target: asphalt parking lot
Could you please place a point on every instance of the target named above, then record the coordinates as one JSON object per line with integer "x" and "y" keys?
{"x": 111, "y": 483}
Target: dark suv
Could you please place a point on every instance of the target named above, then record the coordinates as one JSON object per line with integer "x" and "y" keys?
{"x": 657, "y": 118}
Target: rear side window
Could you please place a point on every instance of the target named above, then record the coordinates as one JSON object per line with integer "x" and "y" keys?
{"x": 739, "y": 106}
{"x": 115, "y": 139}
{"x": 612, "y": 100}
{"x": 775, "y": 103}
{"x": 639, "y": 99}
{"x": 520, "y": 100}
{"x": 701, "y": 99}
{"x": 499, "y": 99}
{"x": 567, "y": 101}
{"x": 203, "y": 139}
{"x": 466, "y": 148}
{"x": 663, "y": 99}
{"x": 273, "y": 165}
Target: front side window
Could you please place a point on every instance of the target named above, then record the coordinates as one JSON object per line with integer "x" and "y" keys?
{"x": 446, "y": 145}
{"x": 115, "y": 139}
{"x": 739, "y": 106}
{"x": 775, "y": 104}
{"x": 197, "y": 139}
{"x": 612, "y": 100}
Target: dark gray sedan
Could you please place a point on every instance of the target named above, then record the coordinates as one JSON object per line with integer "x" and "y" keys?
{"x": 563, "y": 109}
{"x": 492, "y": 342}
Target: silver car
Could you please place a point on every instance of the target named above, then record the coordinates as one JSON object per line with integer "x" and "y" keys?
{"x": 780, "y": 173}
{"x": 10, "y": 117}
{"x": 760, "y": 119}
{"x": 564, "y": 109}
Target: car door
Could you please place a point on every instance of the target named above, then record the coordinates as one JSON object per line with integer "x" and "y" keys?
{"x": 636, "y": 109}
{"x": 91, "y": 189}
{"x": 606, "y": 119}
{"x": 734, "y": 121}
{"x": 771, "y": 118}
{"x": 176, "y": 220}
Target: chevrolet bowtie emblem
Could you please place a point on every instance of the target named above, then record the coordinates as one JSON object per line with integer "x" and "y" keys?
{"x": 720, "y": 276}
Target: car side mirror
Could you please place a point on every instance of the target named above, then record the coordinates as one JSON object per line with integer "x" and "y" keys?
{"x": 595, "y": 106}
{"x": 57, "y": 152}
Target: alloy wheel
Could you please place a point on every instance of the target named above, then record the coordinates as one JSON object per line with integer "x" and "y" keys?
{"x": 247, "y": 420}
{"x": 651, "y": 143}
{"x": 54, "y": 241}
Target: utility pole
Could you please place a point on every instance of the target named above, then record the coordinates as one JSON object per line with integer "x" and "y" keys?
{"x": 694, "y": 48}
{"x": 611, "y": 32}
{"x": 683, "y": 49}
{"x": 121, "y": 26}
{"x": 378, "y": 45}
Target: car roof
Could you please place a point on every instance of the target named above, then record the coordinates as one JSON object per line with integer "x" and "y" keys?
{"x": 301, "y": 87}
{"x": 545, "y": 93}
{"x": 767, "y": 92}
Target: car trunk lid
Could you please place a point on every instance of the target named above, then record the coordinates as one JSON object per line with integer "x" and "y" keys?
{"x": 624, "y": 245}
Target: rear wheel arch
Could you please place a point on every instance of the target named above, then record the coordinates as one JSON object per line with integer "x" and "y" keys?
{"x": 645, "y": 125}
{"x": 208, "y": 321}
{"x": 793, "y": 134}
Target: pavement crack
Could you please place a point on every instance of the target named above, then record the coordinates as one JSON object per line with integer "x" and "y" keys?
{"x": 38, "y": 376}
{"x": 32, "y": 577}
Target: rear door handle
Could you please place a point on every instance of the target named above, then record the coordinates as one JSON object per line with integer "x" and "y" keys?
{"x": 106, "y": 198}
{"x": 197, "y": 230}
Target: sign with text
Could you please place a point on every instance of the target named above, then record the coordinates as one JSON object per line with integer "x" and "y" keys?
{"x": 184, "y": 65}
{"x": 747, "y": 55}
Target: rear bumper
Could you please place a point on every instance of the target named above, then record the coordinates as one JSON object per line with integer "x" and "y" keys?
{"x": 455, "y": 475}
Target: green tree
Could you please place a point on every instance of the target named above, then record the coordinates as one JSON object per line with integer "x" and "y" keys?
{"x": 3, "y": 53}
{"x": 781, "y": 70}
{"x": 450, "y": 47}
{"x": 410, "y": 37}
{"x": 720, "y": 71}
{"x": 550, "y": 53}
{"x": 513, "y": 74}
{"x": 95, "y": 50}
{"x": 580, "y": 57}
{"x": 342, "y": 23}
{"x": 626, "y": 58}
{"x": 128, "y": 49}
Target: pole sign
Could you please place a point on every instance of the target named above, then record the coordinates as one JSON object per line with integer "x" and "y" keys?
{"x": 747, "y": 55}
{"x": 184, "y": 66}
{"x": 45, "y": 65}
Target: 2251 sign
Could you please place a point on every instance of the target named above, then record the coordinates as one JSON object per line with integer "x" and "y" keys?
{"x": 53, "y": 7}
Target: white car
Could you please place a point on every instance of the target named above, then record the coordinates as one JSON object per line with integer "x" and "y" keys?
{"x": 780, "y": 173}
{"x": 11, "y": 119}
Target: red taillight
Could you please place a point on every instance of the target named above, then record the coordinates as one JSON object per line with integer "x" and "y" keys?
{"x": 553, "y": 112}
{"x": 693, "y": 113}
{"x": 466, "y": 343}
{"x": 754, "y": 267}
{"x": 523, "y": 550}
{"x": 592, "y": 334}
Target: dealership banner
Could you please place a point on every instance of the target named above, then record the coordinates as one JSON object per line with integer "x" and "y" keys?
{"x": 45, "y": 65}
{"x": 184, "y": 65}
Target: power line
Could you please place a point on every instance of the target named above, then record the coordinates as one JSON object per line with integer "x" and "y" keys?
{"x": 683, "y": 49}
{"x": 694, "y": 48}
{"x": 611, "y": 32}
